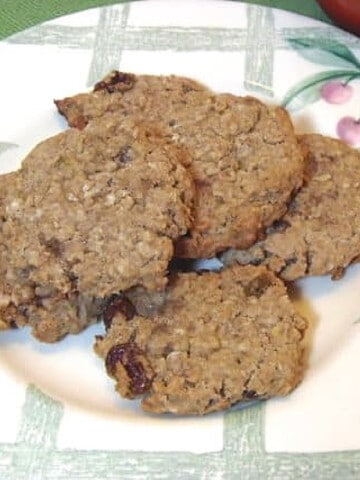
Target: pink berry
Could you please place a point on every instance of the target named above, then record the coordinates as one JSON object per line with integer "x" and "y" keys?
{"x": 336, "y": 92}
{"x": 348, "y": 129}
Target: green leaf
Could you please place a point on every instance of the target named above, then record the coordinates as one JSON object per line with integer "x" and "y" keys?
{"x": 307, "y": 91}
{"x": 325, "y": 51}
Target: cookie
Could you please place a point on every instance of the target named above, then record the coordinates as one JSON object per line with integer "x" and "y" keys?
{"x": 320, "y": 233}
{"x": 7, "y": 182}
{"x": 94, "y": 212}
{"x": 218, "y": 338}
{"x": 246, "y": 161}
{"x": 135, "y": 93}
{"x": 50, "y": 312}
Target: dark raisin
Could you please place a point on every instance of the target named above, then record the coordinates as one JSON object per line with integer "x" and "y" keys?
{"x": 258, "y": 286}
{"x": 250, "y": 394}
{"x": 256, "y": 262}
{"x": 24, "y": 310}
{"x": 116, "y": 81}
{"x": 288, "y": 263}
{"x": 222, "y": 390}
{"x": 38, "y": 301}
{"x": 54, "y": 246}
{"x": 337, "y": 273}
{"x": 73, "y": 279}
{"x": 13, "y": 325}
{"x": 117, "y": 304}
{"x": 129, "y": 356}
{"x": 211, "y": 403}
{"x": 124, "y": 156}
{"x": 308, "y": 260}
{"x": 279, "y": 226}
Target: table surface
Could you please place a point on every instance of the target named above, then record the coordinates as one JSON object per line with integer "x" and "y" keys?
{"x": 16, "y": 15}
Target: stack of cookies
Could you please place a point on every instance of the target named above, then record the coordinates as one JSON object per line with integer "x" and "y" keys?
{"x": 155, "y": 168}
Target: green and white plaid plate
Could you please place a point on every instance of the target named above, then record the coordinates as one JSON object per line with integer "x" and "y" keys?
{"x": 59, "y": 416}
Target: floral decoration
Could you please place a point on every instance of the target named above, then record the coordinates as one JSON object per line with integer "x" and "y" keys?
{"x": 334, "y": 86}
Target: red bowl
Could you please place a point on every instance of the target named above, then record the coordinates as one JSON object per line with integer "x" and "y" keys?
{"x": 345, "y": 13}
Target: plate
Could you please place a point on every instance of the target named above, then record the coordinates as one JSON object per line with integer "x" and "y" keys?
{"x": 59, "y": 416}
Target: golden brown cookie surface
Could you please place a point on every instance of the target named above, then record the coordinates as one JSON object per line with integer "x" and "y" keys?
{"x": 93, "y": 212}
{"x": 219, "y": 338}
{"x": 246, "y": 161}
{"x": 320, "y": 234}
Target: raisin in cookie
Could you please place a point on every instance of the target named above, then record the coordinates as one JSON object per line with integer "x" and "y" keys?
{"x": 320, "y": 234}
{"x": 93, "y": 212}
{"x": 219, "y": 338}
{"x": 246, "y": 161}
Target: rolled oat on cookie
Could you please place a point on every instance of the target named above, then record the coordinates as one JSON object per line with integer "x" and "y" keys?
{"x": 90, "y": 213}
{"x": 217, "y": 339}
{"x": 320, "y": 233}
{"x": 246, "y": 162}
